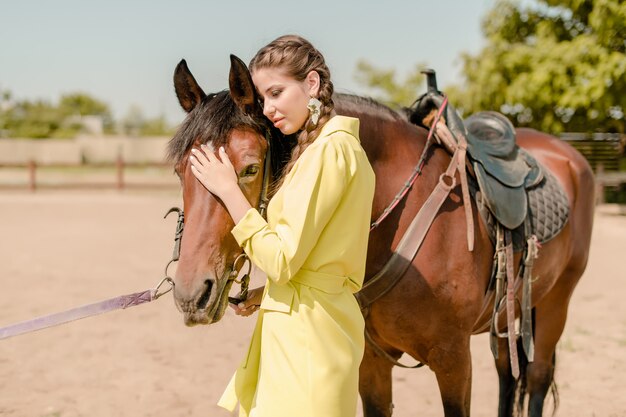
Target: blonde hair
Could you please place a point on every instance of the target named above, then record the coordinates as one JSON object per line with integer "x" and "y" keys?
{"x": 297, "y": 57}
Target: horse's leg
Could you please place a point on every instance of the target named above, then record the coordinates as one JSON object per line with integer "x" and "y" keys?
{"x": 452, "y": 364}
{"x": 550, "y": 315}
{"x": 375, "y": 384}
{"x": 507, "y": 383}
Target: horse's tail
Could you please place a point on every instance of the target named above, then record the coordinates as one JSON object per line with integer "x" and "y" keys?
{"x": 521, "y": 386}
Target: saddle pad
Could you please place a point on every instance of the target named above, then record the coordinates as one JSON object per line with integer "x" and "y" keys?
{"x": 548, "y": 208}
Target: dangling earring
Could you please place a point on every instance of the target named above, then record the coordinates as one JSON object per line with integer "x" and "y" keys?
{"x": 315, "y": 107}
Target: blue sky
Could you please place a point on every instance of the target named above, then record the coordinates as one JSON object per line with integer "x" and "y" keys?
{"x": 124, "y": 51}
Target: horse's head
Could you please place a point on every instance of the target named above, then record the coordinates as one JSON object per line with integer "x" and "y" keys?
{"x": 208, "y": 251}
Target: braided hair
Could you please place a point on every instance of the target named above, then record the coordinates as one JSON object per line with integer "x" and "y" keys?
{"x": 298, "y": 57}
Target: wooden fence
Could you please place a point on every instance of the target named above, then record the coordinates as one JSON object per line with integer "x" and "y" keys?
{"x": 612, "y": 180}
{"x": 114, "y": 176}
{"x": 602, "y": 150}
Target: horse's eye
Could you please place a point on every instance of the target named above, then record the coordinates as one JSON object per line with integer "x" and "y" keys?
{"x": 250, "y": 170}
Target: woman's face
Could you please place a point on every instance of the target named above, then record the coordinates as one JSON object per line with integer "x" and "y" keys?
{"x": 284, "y": 98}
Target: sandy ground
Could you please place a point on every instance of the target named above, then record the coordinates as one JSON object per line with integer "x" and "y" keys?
{"x": 61, "y": 249}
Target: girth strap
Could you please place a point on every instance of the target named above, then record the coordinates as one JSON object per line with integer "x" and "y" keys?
{"x": 381, "y": 352}
{"x": 505, "y": 277}
{"x": 510, "y": 303}
{"x": 500, "y": 279}
{"x": 527, "y": 318}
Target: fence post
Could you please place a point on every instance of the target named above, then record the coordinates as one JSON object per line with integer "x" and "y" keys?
{"x": 120, "y": 170}
{"x": 600, "y": 184}
{"x": 32, "y": 175}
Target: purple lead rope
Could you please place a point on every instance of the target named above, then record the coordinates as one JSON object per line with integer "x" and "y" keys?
{"x": 117, "y": 303}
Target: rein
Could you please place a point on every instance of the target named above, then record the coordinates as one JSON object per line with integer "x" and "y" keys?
{"x": 416, "y": 171}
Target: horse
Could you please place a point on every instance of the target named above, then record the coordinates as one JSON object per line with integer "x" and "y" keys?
{"x": 439, "y": 302}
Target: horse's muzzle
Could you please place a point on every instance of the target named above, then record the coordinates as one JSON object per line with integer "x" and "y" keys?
{"x": 208, "y": 305}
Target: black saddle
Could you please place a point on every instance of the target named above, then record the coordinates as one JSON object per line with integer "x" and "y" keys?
{"x": 502, "y": 169}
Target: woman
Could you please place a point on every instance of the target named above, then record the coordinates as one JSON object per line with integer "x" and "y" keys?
{"x": 308, "y": 342}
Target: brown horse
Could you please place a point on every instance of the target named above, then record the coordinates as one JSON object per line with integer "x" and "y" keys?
{"x": 432, "y": 312}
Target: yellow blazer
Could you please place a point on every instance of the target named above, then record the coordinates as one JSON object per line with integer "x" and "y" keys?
{"x": 308, "y": 342}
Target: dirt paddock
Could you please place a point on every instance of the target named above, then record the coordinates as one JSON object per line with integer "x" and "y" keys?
{"x": 63, "y": 249}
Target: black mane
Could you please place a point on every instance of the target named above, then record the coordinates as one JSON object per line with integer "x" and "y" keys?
{"x": 211, "y": 121}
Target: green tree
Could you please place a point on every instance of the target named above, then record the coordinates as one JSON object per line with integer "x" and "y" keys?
{"x": 386, "y": 88}
{"x": 82, "y": 105}
{"x": 38, "y": 119}
{"x": 136, "y": 124}
{"x": 555, "y": 65}
{"x": 5, "y": 105}
{"x": 157, "y": 126}
{"x": 41, "y": 119}
{"x": 72, "y": 106}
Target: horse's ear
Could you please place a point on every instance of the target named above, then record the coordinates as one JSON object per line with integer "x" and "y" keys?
{"x": 241, "y": 86}
{"x": 187, "y": 89}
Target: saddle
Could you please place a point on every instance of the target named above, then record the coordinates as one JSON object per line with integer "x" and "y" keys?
{"x": 504, "y": 172}
{"x": 509, "y": 187}
{"x": 502, "y": 169}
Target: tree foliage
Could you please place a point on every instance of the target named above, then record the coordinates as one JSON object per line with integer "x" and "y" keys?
{"x": 555, "y": 65}
{"x": 386, "y": 88}
{"x": 136, "y": 124}
{"x": 82, "y": 105}
{"x": 36, "y": 119}
{"x": 41, "y": 119}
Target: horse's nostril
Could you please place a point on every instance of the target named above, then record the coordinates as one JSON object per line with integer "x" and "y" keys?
{"x": 204, "y": 298}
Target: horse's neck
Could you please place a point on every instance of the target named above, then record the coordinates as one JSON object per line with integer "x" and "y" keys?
{"x": 386, "y": 140}
{"x": 394, "y": 146}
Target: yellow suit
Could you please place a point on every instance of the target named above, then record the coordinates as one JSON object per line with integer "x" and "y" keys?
{"x": 308, "y": 342}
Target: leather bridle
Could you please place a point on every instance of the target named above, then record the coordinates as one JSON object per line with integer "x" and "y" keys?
{"x": 242, "y": 258}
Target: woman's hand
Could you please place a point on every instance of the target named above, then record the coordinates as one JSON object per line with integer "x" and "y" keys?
{"x": 219, "y": 177}
{"x": 251, "y": 304}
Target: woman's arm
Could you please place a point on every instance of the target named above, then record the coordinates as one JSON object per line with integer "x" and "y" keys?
{"x": 306, "y": 203}
{"x": 308, "y": 200}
